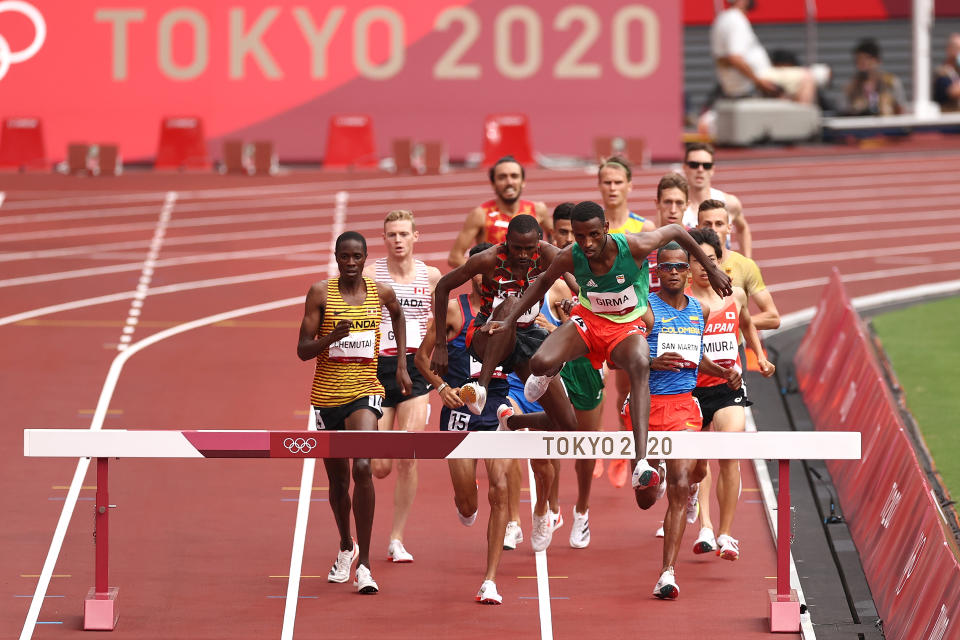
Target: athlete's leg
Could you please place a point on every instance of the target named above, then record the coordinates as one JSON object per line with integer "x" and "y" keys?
{"x": 494, "y": 349}
{"x": 338, "y": 477}
{"x": 728, "y": 480}
{"x": 633, "y": 356}
{"x": 411, "y": 416}
{"x": 383, "y": 466}
{"x": 705, "y": 486}
{"x": 497, "y": 525}
{"x": 586, "y": 421}
{"x": 463, "y": 476}
{"x": 514, "y": 473}
{"x": 553, "y": 499}
{"x": 680, "y": 475}
{"x": 364, "y": 498}
{"x": 561, "y": 346}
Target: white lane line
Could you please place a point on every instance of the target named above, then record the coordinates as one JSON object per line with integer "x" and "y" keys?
{"x": 306, "y": 477}
{"x": 543, "y": 573}
{"x": 146, "y": 273}
{"x": 872, "y": 234}
{"x": 3, "y": 196}
{"x": 96, "y": 423}
{"x": 868, "y": 275}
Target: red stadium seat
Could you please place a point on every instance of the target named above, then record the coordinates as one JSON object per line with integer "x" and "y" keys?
{"x": 265, "y": 162}
{"x": 435, "y": 159}
{"x": 78, "y": 159}
{"x": 507, "y": 134}
{"x": 182, "y": 145}
{"x": 402, "y": 155}
{"x": 350, "y": 142}
{"x": 109, "y": 162}
{"x": 21, "y": 144}
{"x": 233, "y": 157}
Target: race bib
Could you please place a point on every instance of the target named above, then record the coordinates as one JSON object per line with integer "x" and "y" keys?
{"x": 528, "y": 316}
{"x": 721, "y": 348}
{"x": 356, "y": 347}
{"x": 615, "y": 303}
{"x": 686, "y": 344}
{"x": 388, "y": 339}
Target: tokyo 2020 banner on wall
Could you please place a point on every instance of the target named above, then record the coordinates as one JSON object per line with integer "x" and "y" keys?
{"x": 109, "y": 71}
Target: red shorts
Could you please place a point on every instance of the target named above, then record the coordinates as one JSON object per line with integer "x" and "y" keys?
{"x": 679, "y": 412}
{"x": 602, "y": 335}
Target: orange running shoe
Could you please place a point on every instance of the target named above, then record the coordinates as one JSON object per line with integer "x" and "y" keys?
{"x": 617, "y": 473}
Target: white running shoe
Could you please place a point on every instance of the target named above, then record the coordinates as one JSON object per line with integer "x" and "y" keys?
{"x": 542, "y": 532}
{"x": 729, "y": 547}
{"x": 693, "y": 503}
{"x": 488, "y": 593}
{"x": 667, "y": 588}
{"x": 705, "y": 541}
{"x": 364, "y": 582}
{"x": 467, "y": 521}
{"x": 504, "y": 412}
{"x": 513, "y": 536}
{"x": 556, "y": 519}
{"x": 536, "y": 386}
{"x": 474, "y": 396}
{"x": 644, "y": 475}
{"x": 580, "y": 529}
{"x": 659, "y": 532}
{"x": 398, "y": 553}
{"x": 662, "y": 487}
{"x": 340, "y": 571}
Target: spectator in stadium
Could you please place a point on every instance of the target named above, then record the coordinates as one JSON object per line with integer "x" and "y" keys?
{"x": 872, "y": 91}
{"x": 743, "y": 66}
{"x": 946, "y": 82}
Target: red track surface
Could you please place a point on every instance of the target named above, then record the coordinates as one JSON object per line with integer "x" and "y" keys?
{"x": 197, "y": 546}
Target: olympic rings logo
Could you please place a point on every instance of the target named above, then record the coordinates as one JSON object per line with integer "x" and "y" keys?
{"x": 299, "y": 445}
{"x": 9, "y": 57}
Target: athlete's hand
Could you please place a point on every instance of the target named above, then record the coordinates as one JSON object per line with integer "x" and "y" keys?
{"x": 403, "y": 381}
{"x": 567, "y": 305}
{"x": 493, "y": 326}
{"x": 767, "y": 368}
{"x": 340, "y": 331}
{"x": 734, "y": 379}
{"x": 451, "y": 397}
{"x": 719, "y": 281}
{"x": 542, "y": 322}
{"x": 438, "y": 361}
{"x": 669, "y": 361}
{"x": 561, "y": 309}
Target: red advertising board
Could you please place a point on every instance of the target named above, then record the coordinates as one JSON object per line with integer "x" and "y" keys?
{"x": 700, "y": 12}
{"x": 430, "y": 69}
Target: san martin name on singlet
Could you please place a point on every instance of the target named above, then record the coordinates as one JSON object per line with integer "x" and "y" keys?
{"x": 678, "y": 331}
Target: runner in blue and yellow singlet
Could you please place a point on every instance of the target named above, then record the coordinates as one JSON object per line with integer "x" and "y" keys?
{"x": 341, "y": 329}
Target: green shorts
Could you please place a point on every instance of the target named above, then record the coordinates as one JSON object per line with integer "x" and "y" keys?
{"x": 584, "y": 384}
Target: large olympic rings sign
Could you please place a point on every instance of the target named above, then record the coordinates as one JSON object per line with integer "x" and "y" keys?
{"x": 299, "y": 445}
{"x": 9, "y": 57}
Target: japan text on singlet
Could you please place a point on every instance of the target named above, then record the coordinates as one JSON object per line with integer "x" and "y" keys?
{"x": 679, "y": 331}
{"x": 505, "y": 284}
{"x": 347, "y": 370}
{"x": 620, "y": 295}
{"x": 720, "y": 338}
{"x": 495, "y": 222}
{"x": 415, "y": 300}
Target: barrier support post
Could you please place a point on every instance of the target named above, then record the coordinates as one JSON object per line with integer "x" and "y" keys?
{"x": 100, "y": 606}
{"x": 784, "y": 603}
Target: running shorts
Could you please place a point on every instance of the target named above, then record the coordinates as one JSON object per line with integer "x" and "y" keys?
{"x": 528, "y": 341}
{"x": 333, "y": 418}
{"x": 675, "y": 412}
{"x": 602, "y": 335}
{"x": 461, "y": 419}
{"x": 584, "y": 384}
{"x": 387, "y": 374}
{"x": 714, "y": 398}
{"x": 516, "y": 394}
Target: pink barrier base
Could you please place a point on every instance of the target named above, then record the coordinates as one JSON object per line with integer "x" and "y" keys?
{"x": 100, "y": 612}
{"x": 784, "y": 612}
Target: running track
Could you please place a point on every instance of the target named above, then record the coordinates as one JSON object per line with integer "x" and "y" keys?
{"x": 201, "y": 549}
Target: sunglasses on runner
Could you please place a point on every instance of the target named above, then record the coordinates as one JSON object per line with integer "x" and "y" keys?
{"x": 670, "y": 266}
{"x": 696, "y": 165}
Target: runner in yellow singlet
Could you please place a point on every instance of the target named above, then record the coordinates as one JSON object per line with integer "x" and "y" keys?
{"x": 341, "y": 329}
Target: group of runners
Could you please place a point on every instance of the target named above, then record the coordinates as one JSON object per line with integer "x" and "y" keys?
{"x": 554, "y": 302}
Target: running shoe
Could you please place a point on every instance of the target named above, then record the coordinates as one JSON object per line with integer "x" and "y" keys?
{"x": 556, "y": 519}
{"x": 513, "y": 536}
{"x": 398, "y": 553}
{"x": 667, "y": 588}
{"x": 364, "y": 582}
{"x": 488, "y": 593}
{"x": 598, "y": 470}
{"x": 542, "y": 532}
{"x": 662, "y": 487}
{"x": 617, "y": 473}
{"x": 474, "y": 396}
{"x": 536, "y": 386}
{"x": 693, "y": 503}
{"x": 467, "y": 521}
{"x": 504, "y": 412}
{"x": 729, "y": 547}
{"x": 644, "y": 475}
{"x": 580, "y": 530}
{"x": 659, "y": 532}
{"x": 705, "y": 541}
{"x": 340, "y": 571}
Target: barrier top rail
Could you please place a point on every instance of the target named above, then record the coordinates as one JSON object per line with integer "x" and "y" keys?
{"x": 120, "y": 443}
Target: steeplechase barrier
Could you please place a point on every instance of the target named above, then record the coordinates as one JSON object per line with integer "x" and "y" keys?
{"x": 100, "y": 605}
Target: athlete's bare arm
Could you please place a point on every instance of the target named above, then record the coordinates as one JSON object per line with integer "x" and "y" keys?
{"x": 309, "y": 345}
{"x": 389, "y": 300}
{"x": 641, "y": 244}
{"x": 471, "y": 233}
{"x": 769, "y": 316}
{"x": 648, "y": 225}
{"x": 447, "y": 393}
{"x": 750, "y": 334}
{"x": 744, "y": 237}
{"x": 561, "y": 261}
{"x": 433, "y": 275}
{"x": 483, "y": 262}
{"x": 544, "y": 217}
